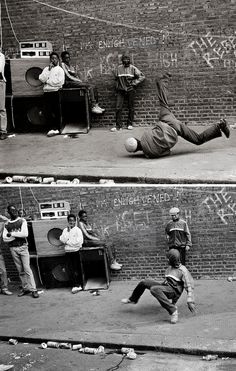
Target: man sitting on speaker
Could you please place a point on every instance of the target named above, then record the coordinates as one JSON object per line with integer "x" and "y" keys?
{"x": 53, "y": 78}
{"x": 3, "y": 115}
{"x": 73, "y": 81}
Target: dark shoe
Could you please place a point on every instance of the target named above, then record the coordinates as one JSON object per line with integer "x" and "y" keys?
{"x": 224, "y": 127}
{"x": 3, "y": 136}
{"x": 35, "y": 294}
{"x": 23, "y": 292}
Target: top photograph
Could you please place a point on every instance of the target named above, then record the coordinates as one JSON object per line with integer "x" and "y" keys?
{"x": 107, "y": 92}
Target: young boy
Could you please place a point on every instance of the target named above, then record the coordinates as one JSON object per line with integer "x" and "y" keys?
{"x": 128, "y": 77}
{"x": 72, "y": 238}
{"x": 177, "y": 278}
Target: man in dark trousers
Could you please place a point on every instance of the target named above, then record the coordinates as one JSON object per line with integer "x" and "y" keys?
{"x": 128, "y": 77}
{"x": 168, "y": 292}
{"x": 177, "y": 234}
{"x": 157, "y": 141}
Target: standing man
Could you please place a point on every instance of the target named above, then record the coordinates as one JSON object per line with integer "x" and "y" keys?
{"x": 3, "y": 115}
{"x": 128, "y": 77}
{"x": 53, "y": 78}
{"x": 15, "y": 233}
{"x": 177, "y": 234}
{"x": 3, "y": 272}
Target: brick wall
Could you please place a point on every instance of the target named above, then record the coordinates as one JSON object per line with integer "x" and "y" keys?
{"x": 195, "y": 40}
{"x": 134, "y": 218}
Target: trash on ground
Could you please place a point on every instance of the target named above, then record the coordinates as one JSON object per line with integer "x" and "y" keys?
{"x": 105, "y": 181}
{"x": 64, "y": 345}
{"x": 43, "y": 345}
{"x": 13, "y": 341}
{"x": 131, "y": 355}
{"x": 210, "y": 357}
{"x": 76, "y": 346}
{"x": 230, "y": 279}
{"x": 52, "y": 344}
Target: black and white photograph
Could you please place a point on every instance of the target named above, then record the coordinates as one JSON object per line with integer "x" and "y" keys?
{"x": 117, "y": 185}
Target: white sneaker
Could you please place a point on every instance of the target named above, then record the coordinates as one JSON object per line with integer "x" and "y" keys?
{"x": 174, "y": 317}
{"x": 76, "y": 289}
{"x": 115, "y": 267}
{"x": 127, "y": 301}
{"x": 96, "y": 110}
{"x": 130, "y": 127}
{"x": 102, "y": 109}
{"x": 114, "y": 129}
{"x": 51, "y": 133}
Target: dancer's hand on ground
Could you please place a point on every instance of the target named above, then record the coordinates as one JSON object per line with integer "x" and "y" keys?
{"x": 192, "y": 307}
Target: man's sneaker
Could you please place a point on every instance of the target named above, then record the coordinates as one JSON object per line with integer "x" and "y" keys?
{"x": 35, "y": 294}
{"x": 224, "y": 127}
{"x": 76, "y": 289}
{"x": 3, "y": 136}
{"x": 6, "y": 292}
{"x": 174, "y": 317}
{"x": 130, "y": 127}
{"x": 23, "y": 292}
{"x": 127, "y": 301}
{"x": 115, "y": 266}
{"x": 114, "y": 129}
{"x": 52, "y": 133}
{"x": 100, "y": 108}
{"x": 96, "y": 110}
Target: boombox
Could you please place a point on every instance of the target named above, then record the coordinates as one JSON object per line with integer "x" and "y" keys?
{"x": 24, "y": 75}
{"x": 54, "y": 209}
{"x": 35, "y": 49}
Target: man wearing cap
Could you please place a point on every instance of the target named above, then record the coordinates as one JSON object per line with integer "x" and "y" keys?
{"x": 157, "y": 141}
{"x": 177, "y": 234}
{"x": 128, "y": 77}
{"x": 168, "y": 292}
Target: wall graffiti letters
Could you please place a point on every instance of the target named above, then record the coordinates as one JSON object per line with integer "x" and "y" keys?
{"x": 215, "y": 50}
{"x": 222, "y": 203}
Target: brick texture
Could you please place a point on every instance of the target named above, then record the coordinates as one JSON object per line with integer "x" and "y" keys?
{"x": 194, "y": 40}
{"x": 133, "y": 220}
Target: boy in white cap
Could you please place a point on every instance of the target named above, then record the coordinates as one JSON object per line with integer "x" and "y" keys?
{"x": 177, "y": 234}
{"x": 157, "y": 141}
{"x": 128, "y": 77}
{"x": 168, "y": 292}
{"x": 3, "y": 115}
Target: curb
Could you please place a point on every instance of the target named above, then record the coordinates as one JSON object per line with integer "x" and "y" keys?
{"x": 118, "y": 346}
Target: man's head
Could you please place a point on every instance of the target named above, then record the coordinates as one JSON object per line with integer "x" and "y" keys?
{"x": 65, "y": 57}
{"x": 173, "y": 256}
{"x": 82, "y": 215}
{"x": 125, "y": 59}
{"x": 12, "y": 211}
{"x": 54, "y": 58}
{"x": 131, "y": 145}
{"x": 174, "y": 213}
{"x": 71, "y": 220}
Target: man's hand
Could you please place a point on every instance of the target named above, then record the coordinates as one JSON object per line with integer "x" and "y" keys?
{"x": 187, "y": 248}
{"x": 192, "y": 308}
{"x": 8, "y": 234}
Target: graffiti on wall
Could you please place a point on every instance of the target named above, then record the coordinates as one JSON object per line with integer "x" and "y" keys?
{"x": 222, "y": 204}
{"x": 214, "y": 50}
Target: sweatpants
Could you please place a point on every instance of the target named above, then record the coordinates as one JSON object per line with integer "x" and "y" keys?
{"x": 181, "y": 128}
{"x": 162, "y": 292}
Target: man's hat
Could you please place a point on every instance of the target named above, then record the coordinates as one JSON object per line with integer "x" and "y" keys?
{"x": 131, "y": 144}
{"x": 174, "y": 210}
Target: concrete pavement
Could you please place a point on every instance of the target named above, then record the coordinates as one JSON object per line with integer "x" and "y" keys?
{"x": 101, "y": 154}
{"x": 103, "y": 320}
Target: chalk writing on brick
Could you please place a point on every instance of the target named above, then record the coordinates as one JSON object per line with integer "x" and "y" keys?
{"x": 222, "y": 203}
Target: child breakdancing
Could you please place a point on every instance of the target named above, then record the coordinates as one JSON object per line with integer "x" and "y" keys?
{"x": 177, "y": 278}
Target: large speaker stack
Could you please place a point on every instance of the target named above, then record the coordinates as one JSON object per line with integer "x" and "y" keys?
{"x": 47, "y": 253}
{"x": 24, "y": 91}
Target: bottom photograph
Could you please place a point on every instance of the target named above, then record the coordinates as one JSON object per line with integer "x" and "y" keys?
{"x": 108, "y": 271}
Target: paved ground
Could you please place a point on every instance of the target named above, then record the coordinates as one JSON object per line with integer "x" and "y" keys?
{"x": 104, "y": 320}
{"x": 101, "y": 154}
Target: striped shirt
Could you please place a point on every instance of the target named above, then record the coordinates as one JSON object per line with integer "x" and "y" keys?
{"x": 128, "y": 77}
{"x": 177, "y": 233}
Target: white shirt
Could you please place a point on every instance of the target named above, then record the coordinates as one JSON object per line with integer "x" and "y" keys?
{"x": 2, "y": 65}
{"x": 53, "y": 79}
{"x": 72, "y": 239}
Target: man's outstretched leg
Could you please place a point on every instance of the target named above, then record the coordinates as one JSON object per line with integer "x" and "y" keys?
{"x": 139, "y": 290}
